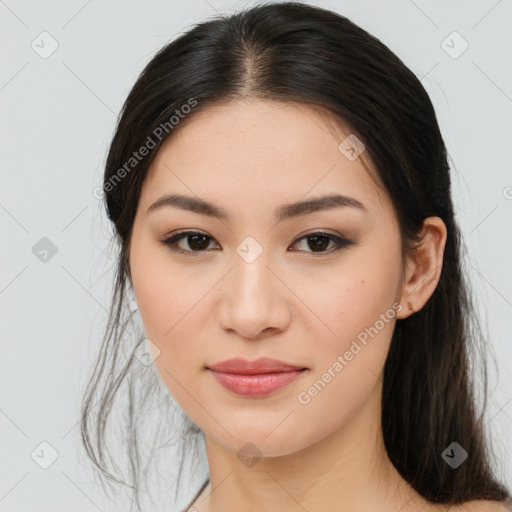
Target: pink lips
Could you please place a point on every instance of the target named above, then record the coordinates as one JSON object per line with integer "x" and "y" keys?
{"x": 255, "y": 378}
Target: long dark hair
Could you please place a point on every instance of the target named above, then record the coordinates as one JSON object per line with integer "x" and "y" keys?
{"x": 295, "y": 52}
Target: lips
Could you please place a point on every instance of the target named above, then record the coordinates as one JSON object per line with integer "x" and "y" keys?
{"x": 255, "y": 378}
{"x": 259, "y": 366}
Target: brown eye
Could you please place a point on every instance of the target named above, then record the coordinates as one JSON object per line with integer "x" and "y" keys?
{"x": 319, "y": 242}
{"x": 196, "y": 242}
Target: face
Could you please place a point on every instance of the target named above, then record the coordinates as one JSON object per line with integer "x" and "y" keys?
{"x": 314, "y": 286}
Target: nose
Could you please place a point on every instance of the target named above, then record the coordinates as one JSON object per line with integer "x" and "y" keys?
{"x": 254, "y": 301}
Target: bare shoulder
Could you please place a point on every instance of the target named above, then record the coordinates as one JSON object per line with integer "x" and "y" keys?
{"x": 482, "y": 506}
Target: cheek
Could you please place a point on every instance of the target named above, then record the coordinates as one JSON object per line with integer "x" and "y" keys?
{"x": 360, "y": 320}
{"x": 359, "y": 310}
{"x": 352, "y": 297}
{"x": 164, "y": 292}
{"x": 167, "y": 297}
{"x": 170, "y": 310}
{"x": 174, "y": 303}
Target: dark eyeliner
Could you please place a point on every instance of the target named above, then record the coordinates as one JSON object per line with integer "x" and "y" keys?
{"x": 340, "y": 242}
{"x": 171, "y": 241}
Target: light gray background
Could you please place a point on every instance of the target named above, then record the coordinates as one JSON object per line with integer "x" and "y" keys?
{"x": 58, "y": 114}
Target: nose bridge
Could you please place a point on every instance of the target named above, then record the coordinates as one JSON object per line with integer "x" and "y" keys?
{"x": 253, "y": 300}
{"x": 252, "y": 277}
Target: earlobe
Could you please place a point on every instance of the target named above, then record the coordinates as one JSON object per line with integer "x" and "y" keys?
{"x": 424, "y": 266}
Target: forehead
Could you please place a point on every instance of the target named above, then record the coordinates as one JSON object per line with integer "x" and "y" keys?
{"x": 262, "y": 153}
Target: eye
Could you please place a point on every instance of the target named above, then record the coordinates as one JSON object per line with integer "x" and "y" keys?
{"x": 319, "y": 242}
{"x": 196, "y": 241}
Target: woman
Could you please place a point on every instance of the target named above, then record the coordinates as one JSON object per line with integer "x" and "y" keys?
{"x": 281, "y": 196}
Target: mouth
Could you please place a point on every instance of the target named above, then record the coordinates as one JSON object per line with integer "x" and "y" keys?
{"x": 258, "y": 378}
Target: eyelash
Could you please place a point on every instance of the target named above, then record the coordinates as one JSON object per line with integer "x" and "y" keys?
{"x": 171, "y": 242}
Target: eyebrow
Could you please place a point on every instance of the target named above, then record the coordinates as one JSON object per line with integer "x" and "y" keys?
{"x": 284, "y": 212}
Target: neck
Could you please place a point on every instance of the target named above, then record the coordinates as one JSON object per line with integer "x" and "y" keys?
{"x": 348, "y": 470}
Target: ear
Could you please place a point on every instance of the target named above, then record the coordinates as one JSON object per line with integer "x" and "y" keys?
{"x": 423, "y": 267}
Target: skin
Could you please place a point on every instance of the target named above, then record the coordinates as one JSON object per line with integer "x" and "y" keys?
{"x": 297, "y": 305}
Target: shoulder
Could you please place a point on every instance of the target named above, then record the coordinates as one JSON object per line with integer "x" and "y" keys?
{"x": 482, "y": 506}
